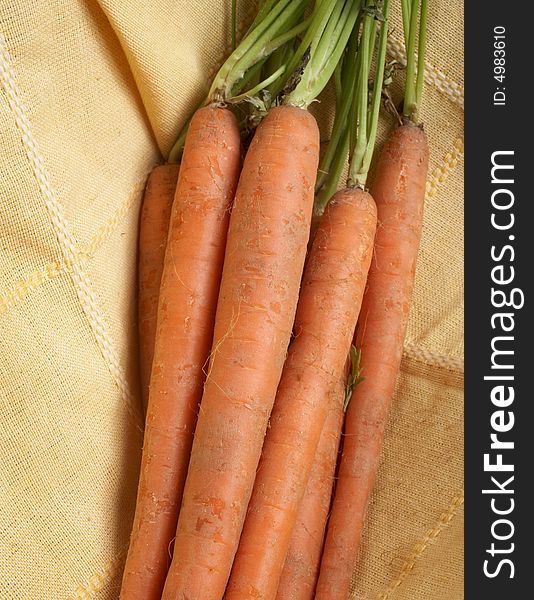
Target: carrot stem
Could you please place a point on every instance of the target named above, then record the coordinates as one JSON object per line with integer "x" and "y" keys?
{"x": 263, "y": 10}
{"x": 344, "y": 90}
{"x": 377, "y": 90}
{"x": 406, "y": 9}
{"x": 410, "y": 100}
{"x": 319, "y": 18}
{"x": 253, "y": 48}
{"x": 367, "y": 117}
{"x": 421, "y": 53}
{"x": 372, "y": 39}
{"x": 361, "y": 100}
{"x": 287, "y": 36}
{"x": 321, "y": 66}
{"x": 275, "y": 25}
{"x": 250, "y": 76}
{"x": 334, "y": 174}
{"x": 353, "y": 106}
{"x": 338, "y": 129}
{"x": 262, "y": 85}
{"x": 281, "y": 57}
{"x": 338, "y": 84}
{"x": 284, "y": 53}
{"x": 327, "y": 40}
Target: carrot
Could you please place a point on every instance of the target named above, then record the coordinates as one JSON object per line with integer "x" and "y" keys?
{"x": 399, "y": 191}
{"x": 188, "y": 296}
{"x": 265, "y": 252}
{"x": 189, "y": 289}
{"x": 329, "y": 303}
{"x": 269, "y": 229}
{"x": 153, "y": 229}
{"x": 301, "y": 566}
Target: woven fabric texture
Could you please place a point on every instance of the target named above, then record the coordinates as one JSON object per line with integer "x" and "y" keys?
{"x": 92, "y": 94}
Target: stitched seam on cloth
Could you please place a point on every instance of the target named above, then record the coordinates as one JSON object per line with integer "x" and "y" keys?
{"x": 106, "y": 230}
{"x": 13, "y": 294}
{"x": 32, "y": 281}
{"x": 433, "y": 76}
{"x": 433, "y": 359}
{"x": 421, "y": 546}
{"x": 100, "y": 579}
{"x": 65, "y": 239}
{"x": 441, "y": 173}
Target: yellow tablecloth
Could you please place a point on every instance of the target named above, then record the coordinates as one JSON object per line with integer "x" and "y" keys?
{"x": 92, "y": 93}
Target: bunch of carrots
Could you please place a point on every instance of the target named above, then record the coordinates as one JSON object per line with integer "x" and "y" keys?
{"x": 273, "y": 309}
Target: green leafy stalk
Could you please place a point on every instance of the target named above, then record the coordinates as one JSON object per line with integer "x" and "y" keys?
{"x": 276, "y": 24}
{"x": 335, "y": 158}
{"x": 345, "y": 75}
{"x": 361, "y": 99}
{"x": 406, "y": 10}
{"x": 327, "y": 40}
{"x": 281, "y": 57}
{"x": 255, "y": 46}
{"x": 410, "y": 102}
{"x": 284, "y": 53}
{"x": 286, "y": 37}
{"x": 353, "y": 107}
{"x": 263, "y": 10}
{"x": 325, "y": 164}
{"x": 421, "y": 54}
{"x": 415, "y": 61}
{"x": 367, "y": 114}
{"x": 271, "y": 39}
{"x": 250, "y": 94}
{"x": 250, "y": 77}
{"x": 374, "y": 110}
{"x": 344, "y": 90}
{"x": 336, "y": 166}
{"x": 321, "y": 65}
{"x": 338, "y": 84}
{"x": 318, "y": 20}
{"x": 372, "y": 37}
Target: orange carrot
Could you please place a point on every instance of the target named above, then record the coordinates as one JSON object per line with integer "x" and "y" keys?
{"x": 153, "y": 229}
{"x": 330, "y": 299}
{"x": 265, "y": 252}
{"x": 399, "y": 190}
{"x": 186, "y": 312}
{"x": 301, "y": 567}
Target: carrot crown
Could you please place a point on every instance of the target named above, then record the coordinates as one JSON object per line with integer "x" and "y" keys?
{"x": 415, "y": 65}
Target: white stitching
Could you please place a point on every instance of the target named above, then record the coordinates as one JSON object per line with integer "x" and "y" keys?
{"x": 434, "y": 359}
{"x": 66, "y": 241}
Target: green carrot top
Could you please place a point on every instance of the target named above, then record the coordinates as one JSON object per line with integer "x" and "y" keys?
{"x": 277, "y": 23}
{"x": 357, "y": 110}
{"x": 321, "y": 48}
{"x": 265, "y": 63}
{"x": 414, "y": 36}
